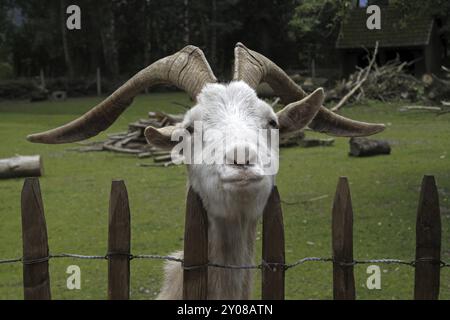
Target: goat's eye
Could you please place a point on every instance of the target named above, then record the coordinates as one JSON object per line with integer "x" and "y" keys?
{"x": 190, "y": 129}
{"x": 273, "y": 124}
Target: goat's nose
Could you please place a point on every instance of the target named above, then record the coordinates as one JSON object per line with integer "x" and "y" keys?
{"x": 241, "y": 155}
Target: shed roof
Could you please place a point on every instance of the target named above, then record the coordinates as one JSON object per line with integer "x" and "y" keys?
{"x": 395, "y": 30}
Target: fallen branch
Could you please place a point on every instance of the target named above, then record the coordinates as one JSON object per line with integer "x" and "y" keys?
{"x": 359, "y": 82}
{"x": 409, "y": 108}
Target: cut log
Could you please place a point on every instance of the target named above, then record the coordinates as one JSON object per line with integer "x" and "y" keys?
{"x": 298, "y": 138}
{"x": 21, "y": 166}
{"x": 312, "y": 142}
{"x": 363, "y": 147}
{"x": 163, "y": 158}
{"x": 145, "y": 155}
{"x": 160, "y": 164}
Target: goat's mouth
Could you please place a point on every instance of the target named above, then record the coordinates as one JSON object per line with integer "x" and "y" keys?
{"x": 242, "y": 179}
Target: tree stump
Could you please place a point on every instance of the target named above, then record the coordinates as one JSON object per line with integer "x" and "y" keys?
{"x": 59, "y": 95}
{"x": 21, "y": 166}
{"x": 363, "y": 147}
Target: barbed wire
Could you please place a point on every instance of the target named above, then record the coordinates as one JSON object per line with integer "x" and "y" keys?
{"x": 274, "y": 266}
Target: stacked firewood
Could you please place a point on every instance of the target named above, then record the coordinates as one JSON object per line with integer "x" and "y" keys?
{"x": 133, "y": 141}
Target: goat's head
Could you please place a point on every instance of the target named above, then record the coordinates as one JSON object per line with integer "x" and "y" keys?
{"x": 231, "y": 113}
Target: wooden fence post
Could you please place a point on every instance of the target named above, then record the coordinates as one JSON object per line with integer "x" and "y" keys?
{"x": 342, "y": 242}
{"x": 428, "y": 242}
{"x": 119, "y": 243}
{"x": 273, "y": 249}
{"x": 195, "y": 281}
{"x": 36, "y": 279}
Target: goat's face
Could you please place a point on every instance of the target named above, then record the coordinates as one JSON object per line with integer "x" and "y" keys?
{"x": 236, "y": 153}
{"x": 230, "y": 138}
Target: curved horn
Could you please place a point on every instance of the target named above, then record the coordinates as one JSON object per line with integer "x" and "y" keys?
{"x": 254, "y": 68}
{"x": 187, "y": 69}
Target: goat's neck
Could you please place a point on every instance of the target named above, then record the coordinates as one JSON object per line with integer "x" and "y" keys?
{"x": 231, "y": 241}
{"x": 232, "y": 223}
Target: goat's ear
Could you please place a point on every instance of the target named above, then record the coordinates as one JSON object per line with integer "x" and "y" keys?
{"x": 161, "y": 138}
{"x": 297, "y": 115}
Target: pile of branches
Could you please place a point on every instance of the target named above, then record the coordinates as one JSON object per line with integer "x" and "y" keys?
{"x": 389, "y": 82}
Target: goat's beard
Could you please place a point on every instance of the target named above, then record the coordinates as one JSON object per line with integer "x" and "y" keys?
{"x": 235, "y": 198}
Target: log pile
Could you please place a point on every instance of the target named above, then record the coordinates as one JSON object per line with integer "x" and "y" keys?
{"x": 389, "y": 82}
{"x": 133, "y": 141}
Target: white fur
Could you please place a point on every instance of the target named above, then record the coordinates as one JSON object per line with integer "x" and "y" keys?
{"x": 233, "y": 208}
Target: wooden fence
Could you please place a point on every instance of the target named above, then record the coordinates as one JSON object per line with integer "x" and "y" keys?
{"x": 36, "y": 279}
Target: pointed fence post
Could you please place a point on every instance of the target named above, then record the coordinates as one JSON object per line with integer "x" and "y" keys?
{"x": 273, "y": 249}
{"x": 428, "y": 242}
{"x": 342, "y": 242}
{"x": 195, "y": 274}
{"x": 36, "y": 279}
{"x": 119, "y": 243}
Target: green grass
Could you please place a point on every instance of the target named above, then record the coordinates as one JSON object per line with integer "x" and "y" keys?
{"x": 76, "y": 187}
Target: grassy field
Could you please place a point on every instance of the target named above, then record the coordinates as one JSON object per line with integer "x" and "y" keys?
{"x": 76, "y": 186}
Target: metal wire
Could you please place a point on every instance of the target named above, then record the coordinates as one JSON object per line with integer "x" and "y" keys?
{"x": 5, "y": 261}
{"x": 262, "y": 265}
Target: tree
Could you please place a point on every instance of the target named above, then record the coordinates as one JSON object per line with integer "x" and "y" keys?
{"x": 315, "y": 25}
{"x": 65, "y": 42}
{"x": 439, "y": 9}
{"x": 106, "y": 14}
{"x": 187, "y": 31}
{"x": 5, "y": 28}
{"x": 123, "y": 36}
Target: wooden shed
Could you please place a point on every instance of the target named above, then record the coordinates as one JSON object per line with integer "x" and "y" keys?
{"x": 412, "y": 39}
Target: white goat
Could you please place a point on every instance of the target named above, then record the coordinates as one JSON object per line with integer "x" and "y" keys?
{"x": 235, "y": 192}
